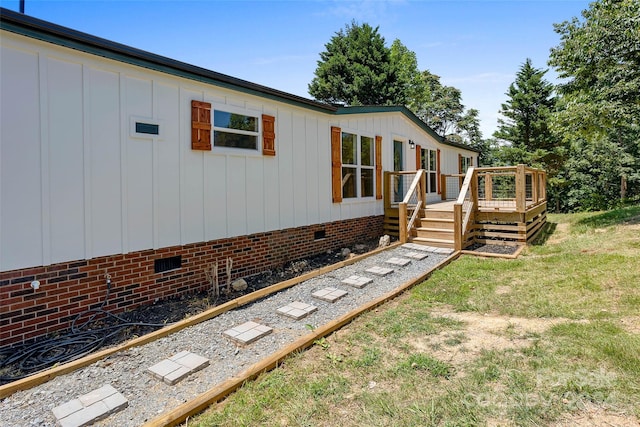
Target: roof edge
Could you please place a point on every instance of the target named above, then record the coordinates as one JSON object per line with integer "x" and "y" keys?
{"x": 363, "y": 109}
{"x": 49, "y": 32}
{"x": 63, "y": 36}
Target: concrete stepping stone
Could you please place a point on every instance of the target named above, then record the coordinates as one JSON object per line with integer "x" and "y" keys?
{"x": 416, "y": 255}
{"x": 423, "y": 248}
{"x": 380, "y": 271}
{"x": 357, "y": 281}
{"x": 178, "y": 366}
{"x": 398, "y": 261}
{"x": 445, "y": 251}
{"x": 417, "y": 247}
{"x": 297, "y": 310}
{"x": 329, "y": 294}
{"x": 247, "y": 332}
{"x": 91, "y": 407}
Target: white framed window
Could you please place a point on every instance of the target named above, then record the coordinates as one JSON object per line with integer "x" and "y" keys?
{"x": 465, "y": 163}
{"x": 358, "y": 165}
{"x": 233, "y": 129}
{"x": 429, "y": 162}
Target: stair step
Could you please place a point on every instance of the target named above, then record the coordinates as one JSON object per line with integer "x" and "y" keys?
{"x": 440, "y": 243}
{"x": 447, "y": 220}
{"x": 434, "y": 233}
{"x": 432, "y": 214}
{"x": 439, "y": 224}
{"x": 434, "y": 230}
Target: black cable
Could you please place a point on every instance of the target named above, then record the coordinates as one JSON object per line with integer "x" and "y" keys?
{"x": 23, "y": 360}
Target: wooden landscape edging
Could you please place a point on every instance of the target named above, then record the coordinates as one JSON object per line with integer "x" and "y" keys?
{"x": 514, "y": 255}
{"x": 46, "y": 375}
{"x": 219, "y": 392}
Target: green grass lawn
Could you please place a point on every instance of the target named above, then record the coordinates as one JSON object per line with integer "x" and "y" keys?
{"x": 552, "y": 338}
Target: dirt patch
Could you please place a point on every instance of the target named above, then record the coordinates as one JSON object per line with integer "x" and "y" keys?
{"x": 493, "y": 249}
{"x": 481, "y": 332}
{"x": 503, "y": 290}
{"x": 596, "y": 416}
{"x": 631, "y": 324}
{"x": 560, "y": 235}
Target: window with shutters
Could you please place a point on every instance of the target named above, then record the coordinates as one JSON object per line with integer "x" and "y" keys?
{"x": 235, "y": 130}
{"x": 358, "y": 167}
{"x": 224, "y": 128}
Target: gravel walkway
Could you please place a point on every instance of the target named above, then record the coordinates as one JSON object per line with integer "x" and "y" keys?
{"x": 148, "y": 397}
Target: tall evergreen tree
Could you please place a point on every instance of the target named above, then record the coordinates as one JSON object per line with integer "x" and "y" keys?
{"x": 356, "y": 69}
{"x": 527, "y": 110}
{"x": 524, "y": 135}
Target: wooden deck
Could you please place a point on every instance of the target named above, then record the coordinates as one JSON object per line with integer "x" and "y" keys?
{"x": 475, "y": 215}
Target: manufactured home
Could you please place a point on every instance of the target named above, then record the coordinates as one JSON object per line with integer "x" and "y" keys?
{"x": 115, "y": 162}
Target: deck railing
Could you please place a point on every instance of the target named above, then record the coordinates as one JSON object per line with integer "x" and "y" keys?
{"x": 463, "y": 208}
{"x": 515, "y": 188}
{"x": 409, "y": 191}
{"x": 490, "y": 204}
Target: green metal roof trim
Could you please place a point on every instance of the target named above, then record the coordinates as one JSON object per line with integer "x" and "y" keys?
{"x": 63, "y": 36}
{"x": 364, "y": 109}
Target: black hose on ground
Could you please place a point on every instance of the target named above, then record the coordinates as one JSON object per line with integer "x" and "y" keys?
{"x": 22, "y": 360}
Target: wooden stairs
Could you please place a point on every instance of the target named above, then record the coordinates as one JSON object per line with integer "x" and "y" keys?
{"x": 513, "y": 218}
{"x": 434, "y": 228}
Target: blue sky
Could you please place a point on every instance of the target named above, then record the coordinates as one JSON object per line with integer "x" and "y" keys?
{"x": 476, "y": 46}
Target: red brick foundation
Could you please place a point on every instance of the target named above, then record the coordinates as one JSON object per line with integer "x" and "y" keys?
{"x": 70, "y": 288}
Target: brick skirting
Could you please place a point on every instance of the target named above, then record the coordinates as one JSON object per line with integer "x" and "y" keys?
{"x": 70, "y": 288}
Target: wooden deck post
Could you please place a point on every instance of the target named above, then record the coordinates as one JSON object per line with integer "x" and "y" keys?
{"x": 443, "y": 187}
{"x": 488, "y": 187}
{"x": 402, "y": 221}
{"x": 473, "y": 189}
{"x": 534, "y": 187}
{"x": 521, "y": 189}
{"x": 457, "y": 227}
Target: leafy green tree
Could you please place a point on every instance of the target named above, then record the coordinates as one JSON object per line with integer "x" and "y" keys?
{"x": 600, "y": 58}
{"x": 441, "y": 108}
{"x": 437, "y": 105}
{"x": 599, "y": 114}
{"x": 468, "y": 127}
{"x": 356, "y": 69}
{"x": 593, "y": 173}
{"x": 405, "y": 63}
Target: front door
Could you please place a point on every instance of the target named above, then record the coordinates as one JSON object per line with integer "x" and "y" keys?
{"x": 398, "y": 162}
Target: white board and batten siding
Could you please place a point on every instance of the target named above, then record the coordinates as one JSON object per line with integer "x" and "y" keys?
{"x": 77, "y": 182}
